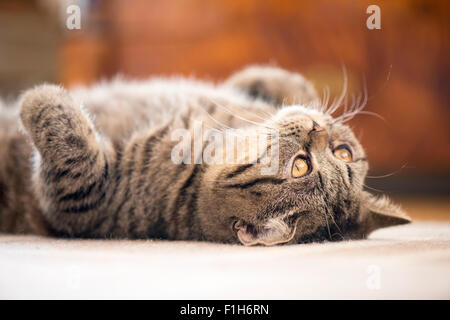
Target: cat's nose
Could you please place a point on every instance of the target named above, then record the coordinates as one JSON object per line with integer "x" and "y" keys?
{"x": 316, "y": 127}
{"x": 319, "y": 137}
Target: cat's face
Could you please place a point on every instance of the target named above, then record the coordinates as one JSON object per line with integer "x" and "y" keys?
{"x": 316, "y": 194}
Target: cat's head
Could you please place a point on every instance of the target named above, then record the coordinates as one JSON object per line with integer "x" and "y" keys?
{"x": 316, "y": 192}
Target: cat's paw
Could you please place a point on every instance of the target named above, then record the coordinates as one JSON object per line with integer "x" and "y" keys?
{"x": 41, "y": 103}
{"x": 55, "y": 122}
{"x": 275, "y": 85}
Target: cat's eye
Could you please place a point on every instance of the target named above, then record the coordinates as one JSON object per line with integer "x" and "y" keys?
{"x": 300, "y": 167}
{"x": 343, "y": 153}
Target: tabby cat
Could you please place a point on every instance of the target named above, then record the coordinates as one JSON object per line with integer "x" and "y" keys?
{"x": 98, "y": 163}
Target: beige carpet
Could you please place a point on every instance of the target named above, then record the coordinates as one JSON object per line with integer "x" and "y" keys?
{"x": 410, "y": 262}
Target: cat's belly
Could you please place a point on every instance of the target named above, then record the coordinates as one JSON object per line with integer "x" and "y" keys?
{"x": 120, "y": 109}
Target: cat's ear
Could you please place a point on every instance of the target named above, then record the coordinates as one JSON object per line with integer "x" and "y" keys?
{"x": 380, "y": 212}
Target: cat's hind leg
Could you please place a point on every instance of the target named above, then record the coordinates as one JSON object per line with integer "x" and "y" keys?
{"x": 72, "y": 163}
{"x": 274, "y": 85}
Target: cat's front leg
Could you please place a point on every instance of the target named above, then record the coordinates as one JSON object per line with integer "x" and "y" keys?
{"x": 72, "y": 164}
{"x": 274, "y": 85}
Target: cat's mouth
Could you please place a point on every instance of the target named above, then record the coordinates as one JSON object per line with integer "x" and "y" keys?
{"x": 274, "y": 231}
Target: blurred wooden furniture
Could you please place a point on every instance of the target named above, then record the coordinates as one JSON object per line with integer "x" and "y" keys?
{"x": 405, "y": 64}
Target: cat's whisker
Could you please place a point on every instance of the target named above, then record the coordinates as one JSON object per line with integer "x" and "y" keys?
{"x": 362, "y": 98}
{"x": 269, "y": 114}
{"x": 339, "y": 101}
{"x": 328, "y": 225}
{"x": 252, "y": 113}
{"x": 346, "y": 106}
{"x": 365, "y": 95}
{"x": 217, "y": 121}
{"x": 334, "y": 221}
{"x": 213, "y": 129}
{"x": 240, "y": 117}
{"x": 370, "y": 113}
{"x": 383, "y": 85}
{"x": 325, "y": 99}
{"x": 337, "y": 233}
{"x": 389, "y": 174}
{"x": 356, "y": 108}
{"x": 374, "y": 189}
{"x": 235, "y": 132}
{"x": 333, "y": 102}
{"x": 345, "y": 103}
{"x": 356, "y": 102}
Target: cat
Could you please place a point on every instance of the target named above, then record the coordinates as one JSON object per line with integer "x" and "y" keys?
{"x": 102, "y": 163}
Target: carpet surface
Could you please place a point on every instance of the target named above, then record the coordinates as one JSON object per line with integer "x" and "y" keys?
{"x": 405, "y": 262}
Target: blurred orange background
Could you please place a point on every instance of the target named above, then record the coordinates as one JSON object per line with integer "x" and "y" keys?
{"x": 405, "y": 65}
